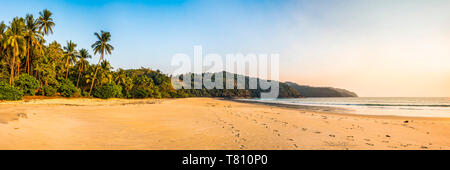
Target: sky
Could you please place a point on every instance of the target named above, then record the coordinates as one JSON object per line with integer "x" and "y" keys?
{"x": 380, "y": 48}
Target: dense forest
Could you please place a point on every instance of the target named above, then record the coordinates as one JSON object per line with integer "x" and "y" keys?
{"x": 31, "y": 66}
{"x": 284, "y": 90}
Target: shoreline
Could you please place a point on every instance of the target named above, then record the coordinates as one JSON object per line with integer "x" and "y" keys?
{"x": 30, "y": 100}
{"x": 204, "y": 124}
{"x": 331, "y": 110}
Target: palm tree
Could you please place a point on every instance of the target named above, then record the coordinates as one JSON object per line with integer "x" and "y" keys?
{"x": 15, "y": 44}
{"x": 46, "y": 23}
{"x": 121, "y": 76}
{"x": 2, "y": 37}
{"x": 105, "y": 72}
{"x": 2, "y": 40}
{"x": 70, "y": 55}
{"x": 83, "y": 64}
{"x": 33, "y": 38}
{"x": 103, "y": 47}
{"x": 2, "y": 30}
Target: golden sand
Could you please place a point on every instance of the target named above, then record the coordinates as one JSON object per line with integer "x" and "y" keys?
{"x": 205, "y": 123}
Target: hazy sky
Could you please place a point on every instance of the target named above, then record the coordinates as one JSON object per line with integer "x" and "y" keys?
{"x": 375, "y": 48}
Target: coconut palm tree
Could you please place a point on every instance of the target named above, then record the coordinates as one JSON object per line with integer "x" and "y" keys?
{"x": 15, "y": 44}
{"x": 121, "y": 76}
{"x": 82, "y": 63}
{"x": 2, "y": 40}
{"x": 70, "y": 55}
{"x": 46, "y": 23}
{"x": 105, "y": 75}
{"x": 103, "y": 47}
{"x": 2, "y": 37}
{"x": 2, "y": 30}
{"x": 33, "y": 38}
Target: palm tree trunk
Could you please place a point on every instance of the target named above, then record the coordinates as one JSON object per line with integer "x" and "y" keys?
{"x": 67, "y": 72}
{"x": 95, "y": 74}
{"x": 67, "y": 67}
{"x": 11, "y": 79}
{"x": 28, "y": 59}
{"x": 79, "y": 73}
{"x": 18, "y": 68}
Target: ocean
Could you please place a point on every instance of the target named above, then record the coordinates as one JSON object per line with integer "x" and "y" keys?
{"x": 388, "y": 106}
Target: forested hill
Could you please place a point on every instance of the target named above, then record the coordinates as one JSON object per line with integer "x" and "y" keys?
{"x": 284, "y": 90}
{"x": 309, "y": 91}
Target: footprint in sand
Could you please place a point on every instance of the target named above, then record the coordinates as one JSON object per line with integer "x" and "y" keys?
{"x": 332, "y": 136}
{"x": 304, "y": 129}
{"x": 405, "y": 145}
{"x": 369, "y": 144}
{"x": 290, "y": 139}
{"x": 317, "y": 132}
{"x": 276, "y": 132}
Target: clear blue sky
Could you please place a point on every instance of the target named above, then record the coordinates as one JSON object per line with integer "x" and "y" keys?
{"x": 149, "y": 33}
{"x": 376, "y": 48}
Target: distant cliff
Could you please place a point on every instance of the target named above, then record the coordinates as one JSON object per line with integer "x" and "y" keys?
{"x": 308, "y": 91}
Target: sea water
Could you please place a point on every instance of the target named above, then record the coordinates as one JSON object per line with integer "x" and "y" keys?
{"x": 392, "y": 106}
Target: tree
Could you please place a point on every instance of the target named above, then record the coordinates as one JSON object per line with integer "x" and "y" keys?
{"x": 56, "y": 53}
{"x": 70, "y": 55}
{"x": 46, "y": 23}
{"x": 82, "y": 63}
{"x": 15, "y": 44}
{"x": 3, "y": 69}
{"x": 103, "y": 47}
{"x": 120, "y": 76}
{"x": 105, "y": 75}
{"x": 2, "y": 39}
{"x": 33, "y": 38}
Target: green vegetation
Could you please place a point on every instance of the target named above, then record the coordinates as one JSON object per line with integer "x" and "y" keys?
{"x": 30, "y": 64}
{"x": 108, "y": 90}
{"x": 67, "y": 89}
{"x": 28, "y": 84}
{"x": 284, "y": 90}
{"x": 49, "y": 90}
{"x": 8, "y": 92}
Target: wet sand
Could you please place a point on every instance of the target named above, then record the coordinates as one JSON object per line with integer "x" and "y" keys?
{"x": 205, "y": 123}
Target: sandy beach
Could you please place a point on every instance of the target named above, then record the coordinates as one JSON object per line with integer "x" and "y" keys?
{"x": 205, "y": 123}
